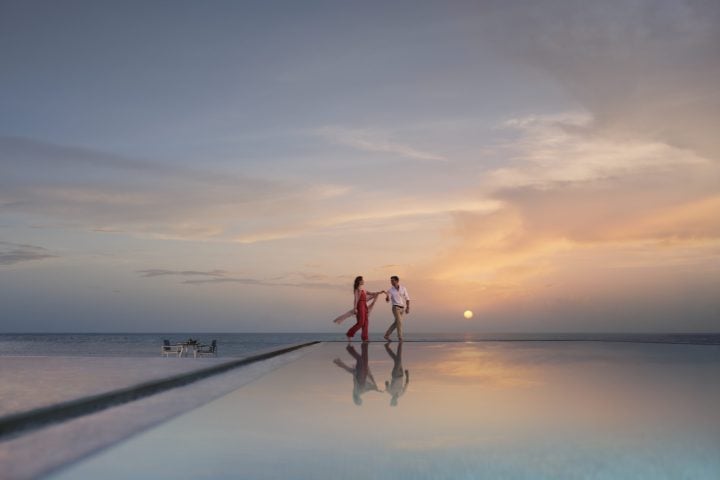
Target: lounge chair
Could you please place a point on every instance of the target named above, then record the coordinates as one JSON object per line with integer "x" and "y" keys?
{"x": 168, "y": 349}
{"x": 207, "y": 349}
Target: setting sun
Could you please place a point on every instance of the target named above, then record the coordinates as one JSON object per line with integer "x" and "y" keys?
{"x": 468, "y": 314}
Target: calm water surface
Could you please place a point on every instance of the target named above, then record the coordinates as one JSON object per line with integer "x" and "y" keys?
{"x": 449, "y": 410}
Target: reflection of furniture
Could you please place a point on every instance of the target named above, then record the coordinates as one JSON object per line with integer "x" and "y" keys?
{"x": 187, "y": 345}
{"x": 206, "y": 349}
{"x": 168, "y": 349}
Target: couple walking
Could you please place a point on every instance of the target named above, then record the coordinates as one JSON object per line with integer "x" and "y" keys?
{"x": 397, "y": 295}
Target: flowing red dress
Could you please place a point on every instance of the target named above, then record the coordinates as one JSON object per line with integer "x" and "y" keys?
{"x": 362, "y": 318}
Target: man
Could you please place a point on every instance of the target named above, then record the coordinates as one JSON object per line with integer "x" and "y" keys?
{"x": 400, "y": 299}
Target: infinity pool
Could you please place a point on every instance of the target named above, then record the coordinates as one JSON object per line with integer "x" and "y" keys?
{"x": 517, "y": 410}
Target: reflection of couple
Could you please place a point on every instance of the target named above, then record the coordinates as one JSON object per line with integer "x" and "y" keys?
{"x": 363, "y": 380}
{"x": 361, "y": 309}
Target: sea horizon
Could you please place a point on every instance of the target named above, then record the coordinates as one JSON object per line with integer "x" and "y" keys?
{"x": 235, "y": 344}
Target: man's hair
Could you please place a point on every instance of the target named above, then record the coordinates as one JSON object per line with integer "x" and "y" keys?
{"x": 395, "y": 277}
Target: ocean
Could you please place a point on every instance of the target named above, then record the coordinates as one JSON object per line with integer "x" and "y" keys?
{"x": 240, "y": 344}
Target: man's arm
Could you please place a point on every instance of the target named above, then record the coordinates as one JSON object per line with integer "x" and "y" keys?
{"x": 407, "y": 300}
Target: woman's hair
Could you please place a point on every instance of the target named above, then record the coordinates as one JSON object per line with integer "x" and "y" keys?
{"x": 357, "y": 283}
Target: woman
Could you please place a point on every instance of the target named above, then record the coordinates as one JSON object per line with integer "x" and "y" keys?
{"x": 361, "y": 309}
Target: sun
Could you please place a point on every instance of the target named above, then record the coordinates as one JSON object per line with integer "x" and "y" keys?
{"x": 468, "y": 314}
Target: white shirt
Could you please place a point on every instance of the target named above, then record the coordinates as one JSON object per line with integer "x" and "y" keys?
{"x": 398, "y": 296}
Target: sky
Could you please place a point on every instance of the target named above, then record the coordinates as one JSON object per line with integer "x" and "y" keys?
{"x": 553, "y": 166}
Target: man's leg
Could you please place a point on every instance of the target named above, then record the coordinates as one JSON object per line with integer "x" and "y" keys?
{"x": 398, "y": 322}
{"x": 392, "y": 326}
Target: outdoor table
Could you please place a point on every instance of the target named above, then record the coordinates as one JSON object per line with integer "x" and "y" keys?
{"x": 187, "y": 345}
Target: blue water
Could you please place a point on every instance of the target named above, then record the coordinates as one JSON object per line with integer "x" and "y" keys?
{"x": 239, "y": 344}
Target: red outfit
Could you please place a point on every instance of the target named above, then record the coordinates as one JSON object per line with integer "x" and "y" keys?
{"x": 362, "y": 318}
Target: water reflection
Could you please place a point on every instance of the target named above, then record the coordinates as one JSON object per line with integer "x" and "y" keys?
{"x": 399, "y": 378}
{"x": 363, "y": 380}
{"x": 523, "y": 410}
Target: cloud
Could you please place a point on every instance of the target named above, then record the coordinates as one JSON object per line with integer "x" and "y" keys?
{"x": 265, "y": 283}
{"x": 573, "y": 199}
{"x": 587, "y": 187}
{"x": 373, "y": 215}
{"x": 243, "y": 281}
{"x": 102, "y": 192}
{"x": 156, "y": 272}
{"x": 563, "y": 149}
{"x": 221, "y": 277}
{"x": 13, "y": 253}
{"x": 643, "y": 69}
{"x": 375, "y": 142}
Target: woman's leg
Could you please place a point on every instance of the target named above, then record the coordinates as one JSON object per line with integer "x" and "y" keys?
{"x": 358, "y": 325}
{"x": 365, "y": 327}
